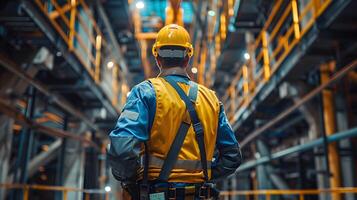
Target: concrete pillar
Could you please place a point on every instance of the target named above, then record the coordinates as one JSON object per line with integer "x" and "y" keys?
{"x": 5, "y": 150}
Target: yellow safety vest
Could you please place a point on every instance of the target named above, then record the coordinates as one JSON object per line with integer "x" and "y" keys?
{"x": 170, "y": 112}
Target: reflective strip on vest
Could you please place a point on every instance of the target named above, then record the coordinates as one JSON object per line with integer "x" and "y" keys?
{"x": 191, "y": 165}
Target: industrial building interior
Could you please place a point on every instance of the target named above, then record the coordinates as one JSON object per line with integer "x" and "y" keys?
{"x": 285, "y": 70}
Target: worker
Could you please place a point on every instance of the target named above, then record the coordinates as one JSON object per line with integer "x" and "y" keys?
{"x": 172, "y": 139}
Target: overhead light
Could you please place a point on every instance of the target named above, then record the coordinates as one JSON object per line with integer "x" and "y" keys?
{"x": 246, "y": 56}
{"x": 194, "y": 70}
{"x": 257, "y": 155}
{"x": 108, "y": 188}
{"x": 110, "y": 64}
{"x": 140, "y": 5}
{"x": 211, "y": 13}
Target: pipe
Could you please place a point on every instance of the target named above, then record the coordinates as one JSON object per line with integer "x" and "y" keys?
{"x": 299, "y": 148}
{"x": 338, "y": 75}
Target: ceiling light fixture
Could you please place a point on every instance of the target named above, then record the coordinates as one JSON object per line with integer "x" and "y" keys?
{"x": 110, "y": 64}
{"x": 108, "y": 188}
{"x": 194, "y": 70}
{"x": 246, "y": 56}
{"x": 140, "y": 5}
{"x": 211, "y": 13}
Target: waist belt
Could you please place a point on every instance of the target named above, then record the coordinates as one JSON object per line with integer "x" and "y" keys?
{"x": 200, "y": 191}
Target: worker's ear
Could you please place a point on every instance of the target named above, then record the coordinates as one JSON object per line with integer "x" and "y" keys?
{"x": 158, "y": 63}
{"x": 185, "y": 61}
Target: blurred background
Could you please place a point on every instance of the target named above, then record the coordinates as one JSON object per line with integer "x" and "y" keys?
{"x": 285, "y": 71}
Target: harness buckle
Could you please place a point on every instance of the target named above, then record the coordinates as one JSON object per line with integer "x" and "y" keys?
{"x": 170, "y": 196}
{"x": 198, "y": 129}
{"x": 204, "y": 192}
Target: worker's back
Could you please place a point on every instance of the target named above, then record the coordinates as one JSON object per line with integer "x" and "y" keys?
{"x": 170, "y": 113}
{"x": 163, "y": 143}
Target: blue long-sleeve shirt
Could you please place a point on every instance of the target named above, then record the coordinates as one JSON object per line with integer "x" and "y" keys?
{"x": 136, "y": 121}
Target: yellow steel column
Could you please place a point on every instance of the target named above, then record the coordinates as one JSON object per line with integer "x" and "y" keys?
{"x": 98, "y": 46}
{"x": 72, "y": 25}
{"x": 266, "y": 60}
{"x": 174, "y": 13}
{"x": 330, "y": 128}
{"x": 115, "y": 83}
{"x": 26, "y": 193}
{"x": 295, "y": 19}
{"x": 65, "y": 194}
{"x": 223, "y": 26}
{"x": 245, "y": 80}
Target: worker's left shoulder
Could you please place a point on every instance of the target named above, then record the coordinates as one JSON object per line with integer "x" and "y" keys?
{"x": 205, "y": 89}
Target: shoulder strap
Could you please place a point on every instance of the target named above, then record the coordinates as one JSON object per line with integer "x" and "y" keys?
{"x": 197, "y": 126}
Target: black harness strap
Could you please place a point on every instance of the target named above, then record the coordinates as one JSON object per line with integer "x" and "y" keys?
{"x": 197, "y": 126}
{"x": 176, "y": 145}
{"x": 172, "y": 155}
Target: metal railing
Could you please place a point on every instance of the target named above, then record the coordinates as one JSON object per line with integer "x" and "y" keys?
{"x": 284, "y": 28}
{"x": 74, "y": 22}
{"x": 293, "y": 194}
{"x": 248, "y": 194}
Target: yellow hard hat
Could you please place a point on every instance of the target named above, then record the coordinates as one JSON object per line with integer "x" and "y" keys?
{"x": 173, "y": 35}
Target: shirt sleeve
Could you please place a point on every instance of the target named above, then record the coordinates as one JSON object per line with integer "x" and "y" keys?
{"x": 131, "y": 130}
{"x": 229, "y": 156}
{"x": 225, "y": 134}
{"x": 138, "y": 113}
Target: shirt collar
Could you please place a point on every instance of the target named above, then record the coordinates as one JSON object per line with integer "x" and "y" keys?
{"x": 176, "y": 71}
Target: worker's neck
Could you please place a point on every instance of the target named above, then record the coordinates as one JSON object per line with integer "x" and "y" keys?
{"x": 173, "y": 71}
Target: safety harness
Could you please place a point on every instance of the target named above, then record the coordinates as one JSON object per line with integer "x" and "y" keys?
{"x": 175, "y": 148}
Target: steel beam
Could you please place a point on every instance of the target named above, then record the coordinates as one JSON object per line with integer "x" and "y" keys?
{"x": 337, "y": 76}
{"x": 299, "y": 148}
{"x": 61, "y": 161}
{"x": 61, "y": 102}
{"x": 12, "y": 112}
{"x": 27, "y": 137}
{"x": 6, "y": 135}
{"x": 44, "y": 157}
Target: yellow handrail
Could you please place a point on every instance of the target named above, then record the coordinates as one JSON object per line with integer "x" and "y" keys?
{"x": 272, "y": 46}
